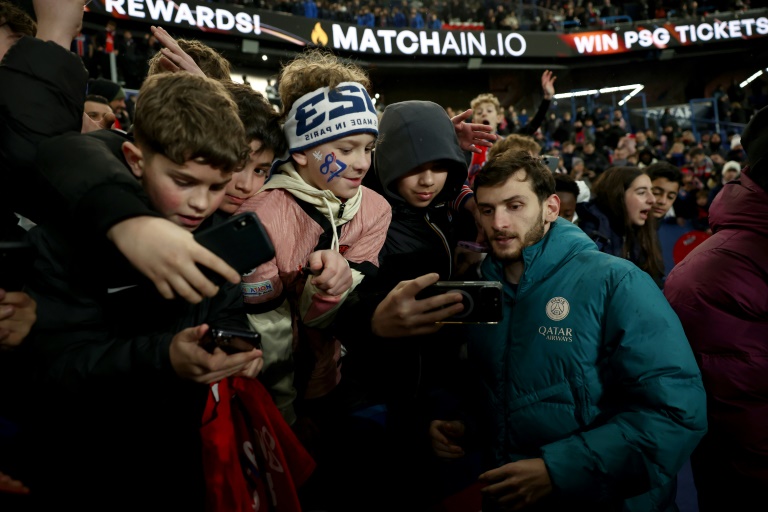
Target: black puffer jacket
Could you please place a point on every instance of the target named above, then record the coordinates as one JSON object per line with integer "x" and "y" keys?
{"x": 419, "y": 240}
{"x": 42, "y": 92}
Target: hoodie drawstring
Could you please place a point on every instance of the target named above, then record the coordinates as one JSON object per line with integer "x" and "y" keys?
{"x": 335, "y": 241}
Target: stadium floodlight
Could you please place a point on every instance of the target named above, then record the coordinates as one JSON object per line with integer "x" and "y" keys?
{"x": 637, "y": 89}
{"x": 750, "y": 79}
{"x": 634, "y": 88}
{"x": 590, "y": 92}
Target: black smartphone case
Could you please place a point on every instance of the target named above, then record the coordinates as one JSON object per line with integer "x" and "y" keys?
{"x": 482, "y": 300}
{"x": 241, "y": 241}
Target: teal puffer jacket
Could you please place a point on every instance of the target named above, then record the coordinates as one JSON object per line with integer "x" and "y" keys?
{"x": 590, "y": 370}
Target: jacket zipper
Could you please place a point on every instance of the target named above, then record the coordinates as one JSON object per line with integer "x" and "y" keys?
{"x": 341, "y": 210}
{"x": 443, "y": 239}
{"x": 505, "y": 398}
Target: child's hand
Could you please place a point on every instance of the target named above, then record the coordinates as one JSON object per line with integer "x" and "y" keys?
{"x": 89, "y": 125}
{"x": 401, "y": 314}
{"x": 17, "y": 315}
{"x": 548, "y": 84}
{"x": 191, "y": 361}
{"x": 253, "y": 368}
{"x": 174, "y": 58}
{"x": 332, "y": 274}
{"x": 11, "y": 486}
{"x": 471, "y": 134}
{"x": 167, "y": 254}
{"x": 444, "y": 436}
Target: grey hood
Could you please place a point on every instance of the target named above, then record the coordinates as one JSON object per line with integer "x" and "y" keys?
{"x": 412, "y": 133}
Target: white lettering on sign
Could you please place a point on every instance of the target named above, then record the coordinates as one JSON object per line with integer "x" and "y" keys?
{"x": 181, "y": 13}
{"x": 423, "y": 42}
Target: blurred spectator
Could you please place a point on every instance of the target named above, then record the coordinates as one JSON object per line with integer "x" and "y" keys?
{"x": 131, "y": 60}
{"x": 82, "y": 47}
{"x": 731, "y": 171}
{"x": 714, "y": 146}
{"x": 104, "y": 43}
{"x": 417, "y": 20}
{"x": 618, "y": 117}
{"x": 579, "y": 135}
{"x": 366, "y": 18}
{"x": 434, "y": 22}
{"x": 736, "y": 151}
{"x": 116, "y": 97}
{"x": 668, "y": 119}
{"x": 701, "y": 164}
{"x": 567, "y": 190}
{"x": 608, "y": 9}
{"x": 595, "y": 162}
{"x": 272, "y": 95}
{"x": 310, "y": 9}
{"x": 97, "y": 108}
{"x": 398, "y": 18}
{"x": 646, "y": 158}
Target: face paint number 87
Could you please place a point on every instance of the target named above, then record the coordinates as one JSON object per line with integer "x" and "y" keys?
{"x": 325, "y": 168}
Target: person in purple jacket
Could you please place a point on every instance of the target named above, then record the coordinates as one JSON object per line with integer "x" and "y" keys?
{"x": 720, "y": 293}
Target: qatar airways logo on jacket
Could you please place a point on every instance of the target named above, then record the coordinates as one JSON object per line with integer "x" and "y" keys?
{"x": 557, "y": 309}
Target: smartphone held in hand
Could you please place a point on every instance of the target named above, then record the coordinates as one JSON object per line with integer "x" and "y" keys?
{"x": 230, "y": 341}
{"x": 241, "y": 241}
{"x": 481, "y": 299}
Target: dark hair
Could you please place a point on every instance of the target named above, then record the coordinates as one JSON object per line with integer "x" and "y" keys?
{"x": 97, "y": 99}
{"x": 259, "y": 118}
{"x": 17, "y": 20}
{"x": 664, "y": 170}
{"x": 608, "y": 191}
{"x": 502, "y": 166}
{"x": 566, "y": 183}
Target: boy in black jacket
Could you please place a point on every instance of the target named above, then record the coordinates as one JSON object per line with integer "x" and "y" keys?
{"x": 121, "y": 373}
{"x": 420, "y": 169}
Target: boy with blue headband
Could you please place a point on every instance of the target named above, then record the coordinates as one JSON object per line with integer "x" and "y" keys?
{"x": 326, "y": 227}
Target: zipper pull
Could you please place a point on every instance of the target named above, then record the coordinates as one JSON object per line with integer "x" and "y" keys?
{"x": 341, "y": 210}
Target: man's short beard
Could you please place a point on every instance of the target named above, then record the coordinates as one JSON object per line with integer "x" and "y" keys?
{"x": 532, "y": 236}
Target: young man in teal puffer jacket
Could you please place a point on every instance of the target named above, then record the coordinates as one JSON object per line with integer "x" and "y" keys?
{"x": 590, "y": 395}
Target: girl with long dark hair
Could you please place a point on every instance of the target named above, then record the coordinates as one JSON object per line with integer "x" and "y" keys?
{"x": 618, "y": 218}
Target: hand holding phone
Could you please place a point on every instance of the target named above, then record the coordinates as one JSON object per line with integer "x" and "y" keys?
{"x": 482, "y": 300}
{"x": 191, "y": 361}
{"x": 241, "y": 241}
{"x": 402, "y": 314}
{"x": 231, "y": 341}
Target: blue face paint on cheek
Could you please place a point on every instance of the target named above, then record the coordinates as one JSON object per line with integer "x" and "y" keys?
{"x": 325, "y": 168}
